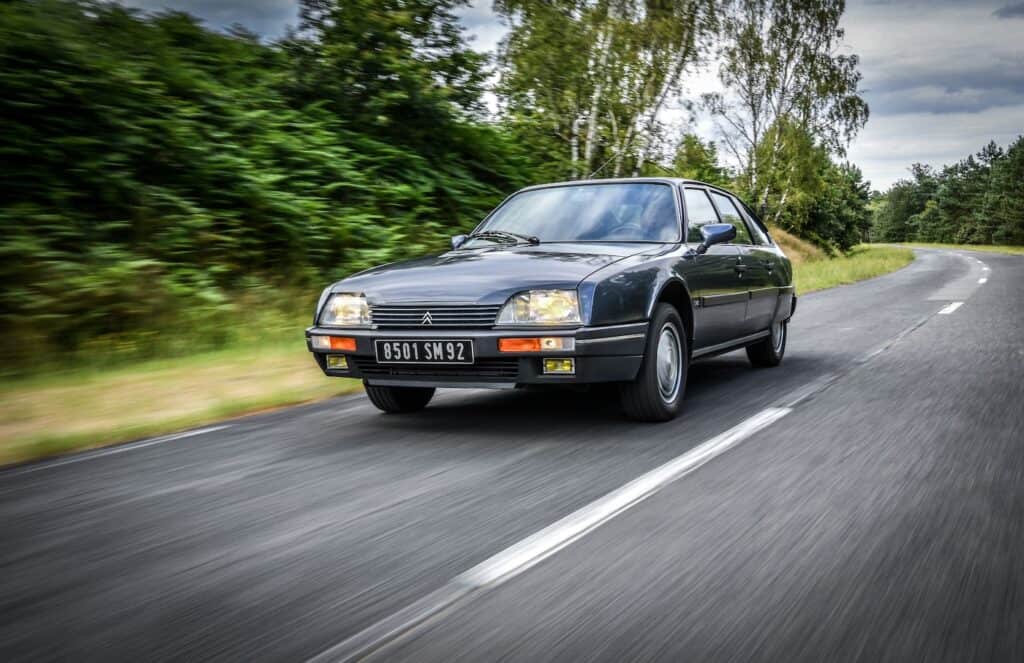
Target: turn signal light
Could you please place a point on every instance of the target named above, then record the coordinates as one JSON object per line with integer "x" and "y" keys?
{"x": 342, "y": 343}
{"x": 540, "y": 344}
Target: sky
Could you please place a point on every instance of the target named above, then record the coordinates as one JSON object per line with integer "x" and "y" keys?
{"x": 942, "y": 77}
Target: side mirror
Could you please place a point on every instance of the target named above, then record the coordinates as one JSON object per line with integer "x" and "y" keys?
{"x": 458, "y": 240}
{"x": 716, "y": 233}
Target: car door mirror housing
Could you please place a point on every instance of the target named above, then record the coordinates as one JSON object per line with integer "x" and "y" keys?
{"x": 458, "y": 240}
{"x": 716, "y": 233}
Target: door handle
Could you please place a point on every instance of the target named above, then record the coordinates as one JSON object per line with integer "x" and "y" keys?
{"x": 768, "y": 264}
{"x": 740, "y": 268}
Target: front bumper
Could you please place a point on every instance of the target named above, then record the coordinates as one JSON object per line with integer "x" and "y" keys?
{"x": 602, "y": 354}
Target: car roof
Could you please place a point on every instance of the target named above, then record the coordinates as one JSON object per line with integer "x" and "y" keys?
{"x": 626, "y": 180}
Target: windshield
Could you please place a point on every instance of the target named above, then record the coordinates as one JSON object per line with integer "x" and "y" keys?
{"x": 615, "y": 212}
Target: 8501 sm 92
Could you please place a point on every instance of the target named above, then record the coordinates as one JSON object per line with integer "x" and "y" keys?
{"x": 576, "y": 283}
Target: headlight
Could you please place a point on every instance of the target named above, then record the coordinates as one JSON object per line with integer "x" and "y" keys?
{"x": 345, "y": 311}
{"x": 541, "y": 307}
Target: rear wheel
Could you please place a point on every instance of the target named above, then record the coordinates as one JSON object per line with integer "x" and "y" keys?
{"x": 399, "y": 399}
{"x": 657, "y": 392}
{"x": 769, "y": 351}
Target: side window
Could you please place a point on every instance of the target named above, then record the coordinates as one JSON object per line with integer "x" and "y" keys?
{"x": 759, "y": 235}
{"x": 699, "y": 211}
{"x": 732, "y": 215}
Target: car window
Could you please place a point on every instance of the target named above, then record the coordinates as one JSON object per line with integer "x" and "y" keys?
{"x": 614, "y": 212}
{"x": 732, "y": 215}
{"x": 760, "y": 236}
{"x": 699, "y": 212}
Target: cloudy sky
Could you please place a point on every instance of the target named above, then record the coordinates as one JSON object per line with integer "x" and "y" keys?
{"x": 942, "y": 77}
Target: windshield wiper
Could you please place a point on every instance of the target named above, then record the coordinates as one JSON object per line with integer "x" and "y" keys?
{"x": 504, "y": 236}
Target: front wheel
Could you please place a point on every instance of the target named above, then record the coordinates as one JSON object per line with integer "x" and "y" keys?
{"x": 394, "y": 400}
{"x": 768, "y": 351}
{"x": 657, "y": 392}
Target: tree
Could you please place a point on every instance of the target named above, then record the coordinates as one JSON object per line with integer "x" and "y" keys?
{"x": 396, "y": 68}
{"x": 780, "y": 64}
{"x": 584, "y": 81}
{"x": 1004, "y": 202}
{"x": 698, "y": 160}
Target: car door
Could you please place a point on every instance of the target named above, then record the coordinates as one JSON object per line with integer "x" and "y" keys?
{"x": 757, "y": 268}
{"x": 719, "y": 293}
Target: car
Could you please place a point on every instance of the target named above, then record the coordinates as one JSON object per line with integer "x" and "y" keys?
{"x": 618, "y": 281}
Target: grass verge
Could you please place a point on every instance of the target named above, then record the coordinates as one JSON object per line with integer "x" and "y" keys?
{"x": 862, "y": 262}
{"x": 75, "y": 409}
{"x": 986, "y": 248}
{"x": 48, "y": 415}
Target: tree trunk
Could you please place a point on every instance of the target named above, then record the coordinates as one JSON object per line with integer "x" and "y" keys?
{"x": 574, "y": 146}
{"x": 603, "y": 47}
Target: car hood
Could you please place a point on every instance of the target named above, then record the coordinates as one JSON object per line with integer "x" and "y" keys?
{"x": 486, "y": 275}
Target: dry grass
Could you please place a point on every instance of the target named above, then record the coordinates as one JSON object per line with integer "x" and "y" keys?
{"x": 49, "y": 415}
{"x": 862, "y": 262}
{"x": 814, "y": 269}
{"x": 797, "y": 250}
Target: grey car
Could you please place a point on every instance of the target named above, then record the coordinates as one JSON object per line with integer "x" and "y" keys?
{"x": 596, "y": 281}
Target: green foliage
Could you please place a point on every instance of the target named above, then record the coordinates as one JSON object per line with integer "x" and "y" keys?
{"x": 159, "y": 177}
{"x": 696, "y": 159}
{"x": 979, "y": 200}
{"x": 583, "y": 81}
{"x": 806, "y": 192}
{"x": 791, "y": 103}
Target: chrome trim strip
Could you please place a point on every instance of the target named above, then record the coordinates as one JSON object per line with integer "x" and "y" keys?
{"x": 736, "y": 342}
{"x": 627, "y": 337}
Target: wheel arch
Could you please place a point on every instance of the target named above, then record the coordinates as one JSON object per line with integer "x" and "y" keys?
{"x": 675, "y": 292}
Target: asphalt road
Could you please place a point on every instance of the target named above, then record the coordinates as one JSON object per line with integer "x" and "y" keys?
{"x": 877, "y": 514}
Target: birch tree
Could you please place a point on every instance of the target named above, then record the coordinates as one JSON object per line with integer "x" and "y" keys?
{"x": 590, "y": 78}
{"x": 783, "y": 70}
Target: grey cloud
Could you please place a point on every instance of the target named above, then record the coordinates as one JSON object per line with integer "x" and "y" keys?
{"x": 267, "y": 18}
{"x": 991, "y": 83}
{"x": 1010, "y": 11}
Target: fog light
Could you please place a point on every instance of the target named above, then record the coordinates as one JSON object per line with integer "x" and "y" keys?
{"x": 343, "y": 343}
{"x": 560, "y": 366}
{"x": 337, "y": 362}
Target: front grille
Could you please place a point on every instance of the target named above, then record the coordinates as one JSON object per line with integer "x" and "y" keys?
{"x": 483, "y": 368}
{"x": 469, "y": 316}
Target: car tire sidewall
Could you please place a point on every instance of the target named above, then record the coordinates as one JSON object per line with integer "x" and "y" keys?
{"x": 660, "y": 409}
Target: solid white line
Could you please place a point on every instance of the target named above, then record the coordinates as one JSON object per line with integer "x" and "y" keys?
{"x": 533, "y": 549}
{"x": 110, "y": 451}
{"x": 949, "y": 308}
{"x": 983, "y": 280}
{"x": 537, "y": 547}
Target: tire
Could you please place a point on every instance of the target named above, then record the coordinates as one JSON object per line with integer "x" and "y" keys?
{"x": 396, "y": 400}
{"x": 769, "y": 351}
{"x": 654, "y": 397}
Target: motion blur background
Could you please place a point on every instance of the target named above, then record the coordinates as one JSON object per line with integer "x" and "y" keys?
{"x": 178, "y": 186}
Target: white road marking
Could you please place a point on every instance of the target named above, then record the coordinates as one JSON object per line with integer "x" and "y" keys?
{"x": 983, "y": 280}
{"x": 522, "y": 555}
{"x": 529, "y": 551}
{"x": 110, "y": 451}
{"x": 946, "y": 310}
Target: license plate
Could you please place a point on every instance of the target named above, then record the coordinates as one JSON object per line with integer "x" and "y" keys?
{"x": 440, "y": 351}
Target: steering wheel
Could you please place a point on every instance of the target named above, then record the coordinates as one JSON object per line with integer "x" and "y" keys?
{"x": 625, "y": 227}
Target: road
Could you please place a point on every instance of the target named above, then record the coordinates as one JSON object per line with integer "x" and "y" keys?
{"x": 877, "y": 513}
